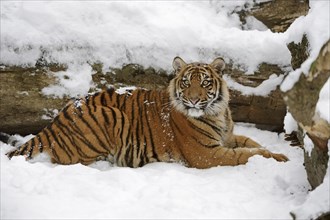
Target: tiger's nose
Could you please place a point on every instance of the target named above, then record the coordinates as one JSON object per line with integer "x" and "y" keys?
{"x": 194, "y": 101}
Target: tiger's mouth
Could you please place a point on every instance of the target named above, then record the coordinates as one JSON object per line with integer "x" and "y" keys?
{"x": 194, "y": 112}
{"x": 195, "y": 108}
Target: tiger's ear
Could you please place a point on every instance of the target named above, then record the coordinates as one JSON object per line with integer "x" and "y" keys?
{"x": 218, "y": 65}
{"x": 178, "y": 64}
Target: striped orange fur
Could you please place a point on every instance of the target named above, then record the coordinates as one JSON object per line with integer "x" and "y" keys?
{"x": 190, "y": 123}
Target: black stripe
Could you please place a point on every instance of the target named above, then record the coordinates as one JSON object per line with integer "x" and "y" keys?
{"x": 152, "y": 144}
{"x": 63, "y": 144}
{"x": 11, "y": 153}
{"x": 132, "y": 112}
{"x": 137, "y": 138}
{"x": 129, "y": 134}
{"x": 118, "y": 101}
{"x": 82, "y": 136}
{"x": 134, "y": 126}
{"x": 145, "y": 155}
{"x": 129, "y": 156}
{"x": 216, "y": 129}
{"x": 103, "y": 101}
{"x": 66, "y": 133}
{"x": 204, "y": 132}
{"x": 105, "y": 116}
{"x": 245, "y": 141}
{"x": 105, "y": 134}
{"x": 63, "y": 147}
{"x": 61, "y": 127}
{"x": 139, "y": 125}
{"x": 110, "y": 92}
{"x": 88, "y": 100}
{"x": 47, "y": 137}
{"x": 50, "y": 145}
{"x": 141, "y": 156}
{"x": 40, "y": 146}
{"x": 32, "y": 143}
{"x": 93, "y": 131}
{"x": 127, "y": 142}
{"x": 204, "y": 145}
{"x": 23, "y": 149}
{"x": 114, "y": 117}
{"x": 66, "y": 147}
{"x": 122, "y": 129}
{"x": 219, "y": 98}
{"x": 106, "y": 124}
{"x": 71, "y": 139}
{"x": 93, "y": 101}
{"x": 120, "y": 151}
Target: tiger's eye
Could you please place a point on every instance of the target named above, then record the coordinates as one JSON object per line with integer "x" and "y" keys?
{"x": 185, "y": 82}
{"x": 206, "y": 83}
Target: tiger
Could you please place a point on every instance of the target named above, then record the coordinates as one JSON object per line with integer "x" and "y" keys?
{"x": 189, "y": 123}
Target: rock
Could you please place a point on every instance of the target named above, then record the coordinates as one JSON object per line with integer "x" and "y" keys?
{"x": 301, "y": 101}
{"x": 324, "y": 216}
{"x": 257, "y": 109}
{"x": 299, "y": 52}
{"x": 266, "y": 112}
{"x": 22, "y": 104}
{"x": 279, "y": 15}
{"x": 134, "y": 74}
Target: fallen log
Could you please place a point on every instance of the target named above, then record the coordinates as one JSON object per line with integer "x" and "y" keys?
{"x": 25, "y": 109}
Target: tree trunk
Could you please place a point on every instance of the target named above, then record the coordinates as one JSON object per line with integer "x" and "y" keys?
{"x": 301, "y": 101}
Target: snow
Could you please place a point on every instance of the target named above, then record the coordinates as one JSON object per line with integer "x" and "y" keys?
{"x": 323, "y": 104}
{"x": 316, "y": 25}
{"x": 151, "y": 33}
{"x": 261, "y": 189}
{"x": 290, "y": 124}
{"x": 308, "y": 145}
{"x": 114, "y": 33}
{"x": 263, "y": 89}
{"x": 75, "y": 81}
{"x": 119, "y": 32}
{"x": 317, "y": 202}
{"x": 125, "y": 89}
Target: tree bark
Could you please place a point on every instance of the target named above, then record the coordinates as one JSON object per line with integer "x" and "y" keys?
{"x": 301, "y": 101}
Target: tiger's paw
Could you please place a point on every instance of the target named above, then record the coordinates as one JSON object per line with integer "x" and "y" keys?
{"x": 279, "y": 157}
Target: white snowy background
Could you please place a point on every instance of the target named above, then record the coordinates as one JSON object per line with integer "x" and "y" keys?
{"x": 152, "y": 33}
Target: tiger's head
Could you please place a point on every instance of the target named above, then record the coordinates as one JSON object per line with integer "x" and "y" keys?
{"x": 198, "y": 88}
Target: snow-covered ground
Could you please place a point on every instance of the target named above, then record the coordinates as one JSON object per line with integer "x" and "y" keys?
{"x": 151, "y": 34}
{"x": 262, "y": 189}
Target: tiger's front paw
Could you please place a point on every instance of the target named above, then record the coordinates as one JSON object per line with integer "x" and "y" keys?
{"x": 279, "y": 157}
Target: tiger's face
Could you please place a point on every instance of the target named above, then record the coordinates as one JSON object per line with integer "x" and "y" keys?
{"x": 198, "y": 88}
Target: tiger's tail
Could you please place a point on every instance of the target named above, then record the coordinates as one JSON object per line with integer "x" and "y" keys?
{"x": 31, "y": 148}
